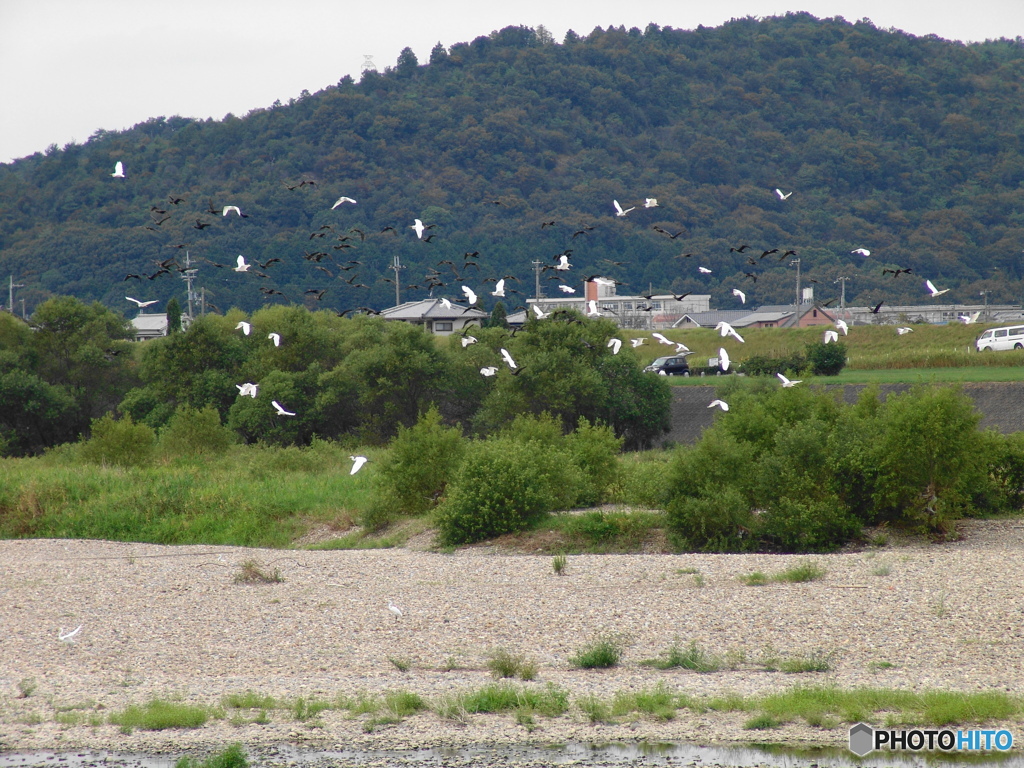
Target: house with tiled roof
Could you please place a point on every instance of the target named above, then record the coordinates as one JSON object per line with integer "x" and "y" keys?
{"x": 434, "y": 317}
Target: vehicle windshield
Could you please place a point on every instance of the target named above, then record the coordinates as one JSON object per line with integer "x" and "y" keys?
{"x": 661, "y": 361}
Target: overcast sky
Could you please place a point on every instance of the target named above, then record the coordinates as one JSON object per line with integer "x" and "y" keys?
{"x": 71, "y": 67}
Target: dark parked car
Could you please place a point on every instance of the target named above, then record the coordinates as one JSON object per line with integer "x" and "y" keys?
{"x": 670, "y": 366}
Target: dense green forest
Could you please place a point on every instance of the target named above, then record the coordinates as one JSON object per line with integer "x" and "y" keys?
{"x": 513, "y": 146}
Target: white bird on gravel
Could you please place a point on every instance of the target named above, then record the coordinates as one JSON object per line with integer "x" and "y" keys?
{"x": 723, "y": 359}
{"x": 786, "y": 382}
{"x": 395, "y": 610}
{"x": 615, "y": 345}
{"x": 719, "y": 404}
{"x": 280, "y": 411}
{"x": 69, "y": 637}
{"x": 357, "y": 463}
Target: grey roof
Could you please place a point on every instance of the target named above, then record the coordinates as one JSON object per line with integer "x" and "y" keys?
{"x": 761, "y": 316}
{"x": 430, "y": 309}
{"x": 516, "y": 318}
{"x": 714, "y": 317}
{"x": 152, "y": 323}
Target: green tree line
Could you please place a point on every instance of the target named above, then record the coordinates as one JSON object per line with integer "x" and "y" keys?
{"x": 360, "y": 379}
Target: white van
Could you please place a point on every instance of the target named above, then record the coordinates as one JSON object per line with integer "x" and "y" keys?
{"x": 1010, "y": 337}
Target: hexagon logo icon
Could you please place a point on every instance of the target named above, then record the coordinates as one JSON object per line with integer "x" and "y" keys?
{"x": 862, "y": 739}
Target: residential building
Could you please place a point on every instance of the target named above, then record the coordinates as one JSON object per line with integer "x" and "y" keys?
{"x": 434, "y": 317}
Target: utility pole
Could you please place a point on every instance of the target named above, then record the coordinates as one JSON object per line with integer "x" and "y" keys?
{"x": 985, "y": 294}
{"x": 536, "y": 279}
{"x": 188, "y": 276}
{"x": 842, "y": 295}
{"x": 11, "y": 285}
{"x": 797, "y": 263}
{"x": 397, "y": 267}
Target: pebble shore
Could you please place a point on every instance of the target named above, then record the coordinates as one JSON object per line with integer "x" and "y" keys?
{"x": 171, "y": 622}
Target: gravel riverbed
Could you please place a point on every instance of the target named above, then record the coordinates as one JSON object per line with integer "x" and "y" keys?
{"x": 170, "y": 622}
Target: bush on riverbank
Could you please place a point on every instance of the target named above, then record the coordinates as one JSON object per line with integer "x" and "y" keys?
{"x": 797, "y": 470}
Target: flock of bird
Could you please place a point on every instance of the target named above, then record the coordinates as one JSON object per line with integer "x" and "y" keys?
{"x": 434, "y": 279}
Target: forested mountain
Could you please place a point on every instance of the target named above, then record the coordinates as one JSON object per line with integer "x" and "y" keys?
{"x": 514, "y": 146}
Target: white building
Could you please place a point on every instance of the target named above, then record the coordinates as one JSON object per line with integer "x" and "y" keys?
{"x": 651, "y": 312}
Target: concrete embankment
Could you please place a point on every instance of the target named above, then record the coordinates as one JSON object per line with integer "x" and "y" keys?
{"x": 1001, "y": 404}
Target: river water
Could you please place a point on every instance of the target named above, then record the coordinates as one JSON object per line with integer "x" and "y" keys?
{"x": 572, "y": 753}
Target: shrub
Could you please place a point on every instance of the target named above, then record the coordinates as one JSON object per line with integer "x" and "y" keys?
{"x": 498, "y": 490}
{"x": 121, "y": 443}
{"x": 719, "y": 523}
{"x": 594, "y": 448}
{"x": 158, "y": 715}
{"x": 826, "y": 359}
{"x": 192, "y": 432}
{"x": 601, "y": 653}
{"x": 805, "y": 526}
{"x": 504, "y": 663}
{"x": 929, "y": 456}
{"x": 232, "y": 757}
{"x": 420, "y": 463}
{"x": 763, "y": 365}
{"x": 643, "y": 480}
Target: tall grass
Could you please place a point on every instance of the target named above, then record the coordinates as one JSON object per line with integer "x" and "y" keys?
{"x": 253, "y": 496}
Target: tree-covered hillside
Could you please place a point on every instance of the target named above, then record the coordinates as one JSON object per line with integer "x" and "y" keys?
{"x": 513, "y": 147}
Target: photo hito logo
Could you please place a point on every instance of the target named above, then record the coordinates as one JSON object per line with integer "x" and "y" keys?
{"x": 864, "y": 739}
